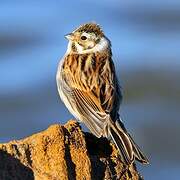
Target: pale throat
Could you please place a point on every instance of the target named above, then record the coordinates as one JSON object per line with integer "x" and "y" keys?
{"x": 100, "y": 47}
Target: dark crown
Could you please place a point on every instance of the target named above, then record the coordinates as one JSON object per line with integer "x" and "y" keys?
{"x": 90, "y": 27}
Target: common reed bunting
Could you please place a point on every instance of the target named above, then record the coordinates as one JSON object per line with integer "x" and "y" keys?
{"x": 88, "y": 86}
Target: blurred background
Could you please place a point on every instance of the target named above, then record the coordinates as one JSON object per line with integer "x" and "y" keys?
{"x": 145, "y": 39}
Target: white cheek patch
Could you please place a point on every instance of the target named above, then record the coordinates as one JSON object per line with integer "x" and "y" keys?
{"x": 102, "y": 45}
{"x": 79, "y": 47}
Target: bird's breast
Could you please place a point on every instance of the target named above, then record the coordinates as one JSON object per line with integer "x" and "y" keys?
{"x": 85, "y": 71}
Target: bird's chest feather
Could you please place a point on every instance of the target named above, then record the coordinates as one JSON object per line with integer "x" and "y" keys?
{"x": 87, "y": 71}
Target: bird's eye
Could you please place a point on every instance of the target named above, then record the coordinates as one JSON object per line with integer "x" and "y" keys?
{"x": 83, "y": 38}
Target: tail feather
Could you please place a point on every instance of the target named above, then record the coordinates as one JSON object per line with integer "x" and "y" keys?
{"x": 126, "y": 145}
{"x": 138, "y": 153}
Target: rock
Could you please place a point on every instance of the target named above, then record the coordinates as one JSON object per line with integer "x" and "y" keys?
{"x": 62, "y": 153}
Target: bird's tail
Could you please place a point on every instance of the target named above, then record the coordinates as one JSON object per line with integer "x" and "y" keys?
{"x": 126, "y": 145}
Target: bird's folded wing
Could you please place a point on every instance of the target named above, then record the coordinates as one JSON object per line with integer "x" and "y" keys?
{"x": 85, "y": 106}
{"x": 91, "y": 112}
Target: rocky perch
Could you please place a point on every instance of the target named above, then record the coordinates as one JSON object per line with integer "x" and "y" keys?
{"x": 62, "y": 153}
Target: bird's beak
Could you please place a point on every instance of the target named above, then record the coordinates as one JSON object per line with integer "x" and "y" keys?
{"x": 69, "y": 36}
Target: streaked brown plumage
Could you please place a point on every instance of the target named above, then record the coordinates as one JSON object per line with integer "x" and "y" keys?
{"x": 88, "y": 86}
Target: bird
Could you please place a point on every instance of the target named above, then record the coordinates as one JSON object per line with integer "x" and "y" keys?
{"x": 88, "y": 86}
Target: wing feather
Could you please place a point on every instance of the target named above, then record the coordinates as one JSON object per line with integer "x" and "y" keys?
{"x": 92, "y": 115}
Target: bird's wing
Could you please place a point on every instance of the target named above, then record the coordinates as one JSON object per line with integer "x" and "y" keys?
{"x": 84, "y": 106}
{"x": 91, "y": 111}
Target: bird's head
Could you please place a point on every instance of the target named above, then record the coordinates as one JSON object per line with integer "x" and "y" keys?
{"x": 87, "y": 38}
